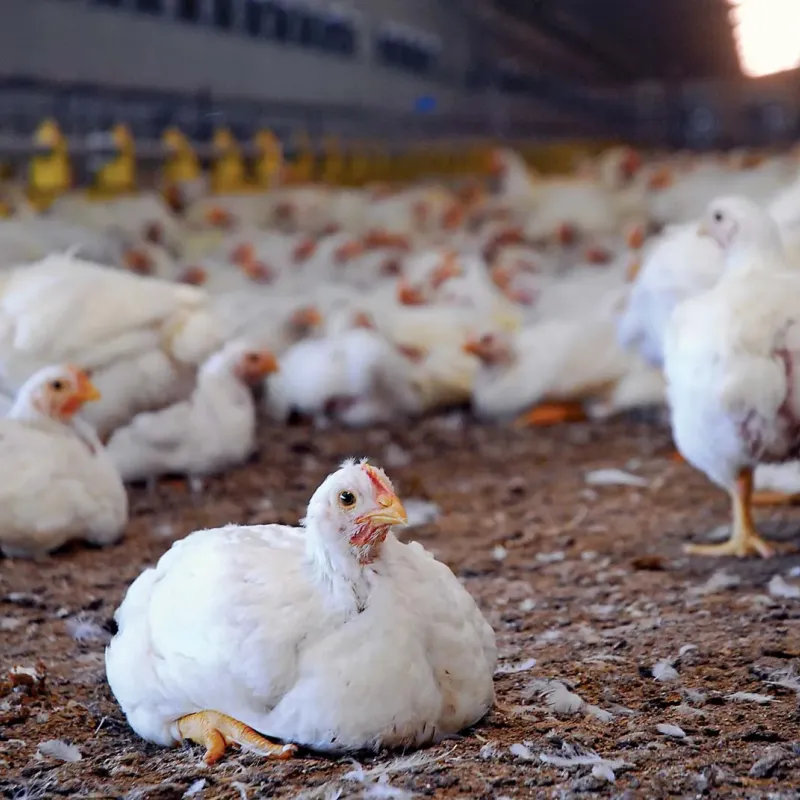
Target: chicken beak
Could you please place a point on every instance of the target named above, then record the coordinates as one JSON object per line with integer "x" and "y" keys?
{"x": 703, "y": 230}
{"x": 473, "y": 347}
{"x": 86, "y": 391}
{"x": 390, "y": 512}
{"x": 260, "y": 364}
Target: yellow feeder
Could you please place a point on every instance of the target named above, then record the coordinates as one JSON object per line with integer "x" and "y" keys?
{"x": 332, "y": 160}
{"x": 370, "y": 156}
{"x": 118, "y": 176}
{"x": 50, "y": 172}
{"x": 181, "y": 165}
{"x": 227, "y": 164}
{"x": 358, "y": 166}
{"x": 304, "y": 162}
{"x": 269, "y": 159}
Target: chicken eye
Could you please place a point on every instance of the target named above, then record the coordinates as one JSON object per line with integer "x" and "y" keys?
{"x": 717, "y": 216}
{"x": 347, "y": 499}
{"x": 57, "y": 386}
{"x": 252, "y": 358}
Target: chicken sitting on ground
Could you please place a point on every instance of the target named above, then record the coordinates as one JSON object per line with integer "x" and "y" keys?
{"x": 355, "y": 377}
{"x": 731, "y": 359}
{"x": 213, "y": 430}
{"x": 334, "y": 635}
{"x": 58, "y": 482}
{"x": 566, "y": 370}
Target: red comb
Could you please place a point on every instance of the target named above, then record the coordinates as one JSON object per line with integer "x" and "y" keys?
{"x": 377, "y": 479}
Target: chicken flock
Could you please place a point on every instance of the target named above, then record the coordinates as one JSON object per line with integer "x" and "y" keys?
{"x": 140, "y": 339}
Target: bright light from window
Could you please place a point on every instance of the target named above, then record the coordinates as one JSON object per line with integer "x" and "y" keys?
{"x": 767, "y": 35}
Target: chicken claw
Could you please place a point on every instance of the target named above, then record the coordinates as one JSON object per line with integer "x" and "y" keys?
{"x": 745, "y": 539}
{"x": 552, "y": 414}
{"x": 216, "y": 731}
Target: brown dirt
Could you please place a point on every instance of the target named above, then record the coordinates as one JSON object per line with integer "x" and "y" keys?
{"x": 593, "y": 585}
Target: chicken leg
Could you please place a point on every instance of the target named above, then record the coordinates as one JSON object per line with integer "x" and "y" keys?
{"x": 759, "y": 499}
{"x": 216, "y": 731}
{"x": 744, "y": 539}
{"x": 552, "y": 414}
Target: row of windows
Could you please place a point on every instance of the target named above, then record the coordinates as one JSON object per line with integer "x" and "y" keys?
{"x": 406, "y": 55}
{"x": 290, "y": 24}
{"x": 263, "y": 19}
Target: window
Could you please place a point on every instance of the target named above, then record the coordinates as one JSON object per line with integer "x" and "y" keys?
{"x": 307, "y": 27}
{"x": 223, "y": 14}
{"x": 340, "y": 37}
{"x": 188, "y": 10}
{"x": 275, "y": 20}
{"x": 150, "y": 6}
{"x": 407, "y": 50}
{"x": 253, "y": 17}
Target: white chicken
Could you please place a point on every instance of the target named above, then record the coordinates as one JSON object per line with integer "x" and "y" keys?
{"x": 354, "y": 376}
{"x": 58, "y": 482}
{"x": 679, "y": 264}
{"x": 211, "y": 431}
{"x": 731, "y": 365}
{"x": 142, "y": 338}
{"x": 334, "y": 636}
{"x": 574, "y": 367}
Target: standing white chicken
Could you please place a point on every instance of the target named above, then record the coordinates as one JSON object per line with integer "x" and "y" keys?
{"x": 58, "y": 482}
{"x": 335, "y": 635}
{"x": 211, "y": 431}
{"x": 731, "y": 359}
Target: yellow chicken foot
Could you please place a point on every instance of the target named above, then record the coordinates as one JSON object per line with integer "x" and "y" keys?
{"x": 216, "y": 731}
{"x": 552, "y": 414}
{"x": 744, "y": 540}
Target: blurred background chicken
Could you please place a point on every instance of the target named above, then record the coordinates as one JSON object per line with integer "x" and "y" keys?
{"x": 59, "y": 483}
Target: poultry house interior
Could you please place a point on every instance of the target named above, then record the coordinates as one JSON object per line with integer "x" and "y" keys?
{"x": 323, "y": 323}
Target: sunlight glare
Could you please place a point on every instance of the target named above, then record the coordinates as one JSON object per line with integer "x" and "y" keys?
{"x": 767, "y": 35}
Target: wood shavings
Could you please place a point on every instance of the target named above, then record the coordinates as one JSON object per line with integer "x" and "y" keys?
{"x": 778, "y": 587}
{"x": 59, "y": 750}
{"x": 511, "y": 669}
{"x": 750, "y": 697}
{"x": 614, "y": 477}
{"x": 665, "y": 671}
{"x": 195, "y": 788}
{"x": 719, "y": 581}
{"x": 604, "y": 772}
{"x": 671, "y": 731}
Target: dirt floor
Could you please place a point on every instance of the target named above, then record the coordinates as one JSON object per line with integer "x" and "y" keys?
{"x": 588, "y": 580}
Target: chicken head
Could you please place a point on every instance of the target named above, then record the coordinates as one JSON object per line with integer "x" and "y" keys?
{"x": 60, "y": 392}
{"x": 490, "y": 348}
{"x": 352, "y": 511}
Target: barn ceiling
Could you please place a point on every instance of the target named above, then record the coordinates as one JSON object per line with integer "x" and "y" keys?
{"x": 638, "y": 39}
